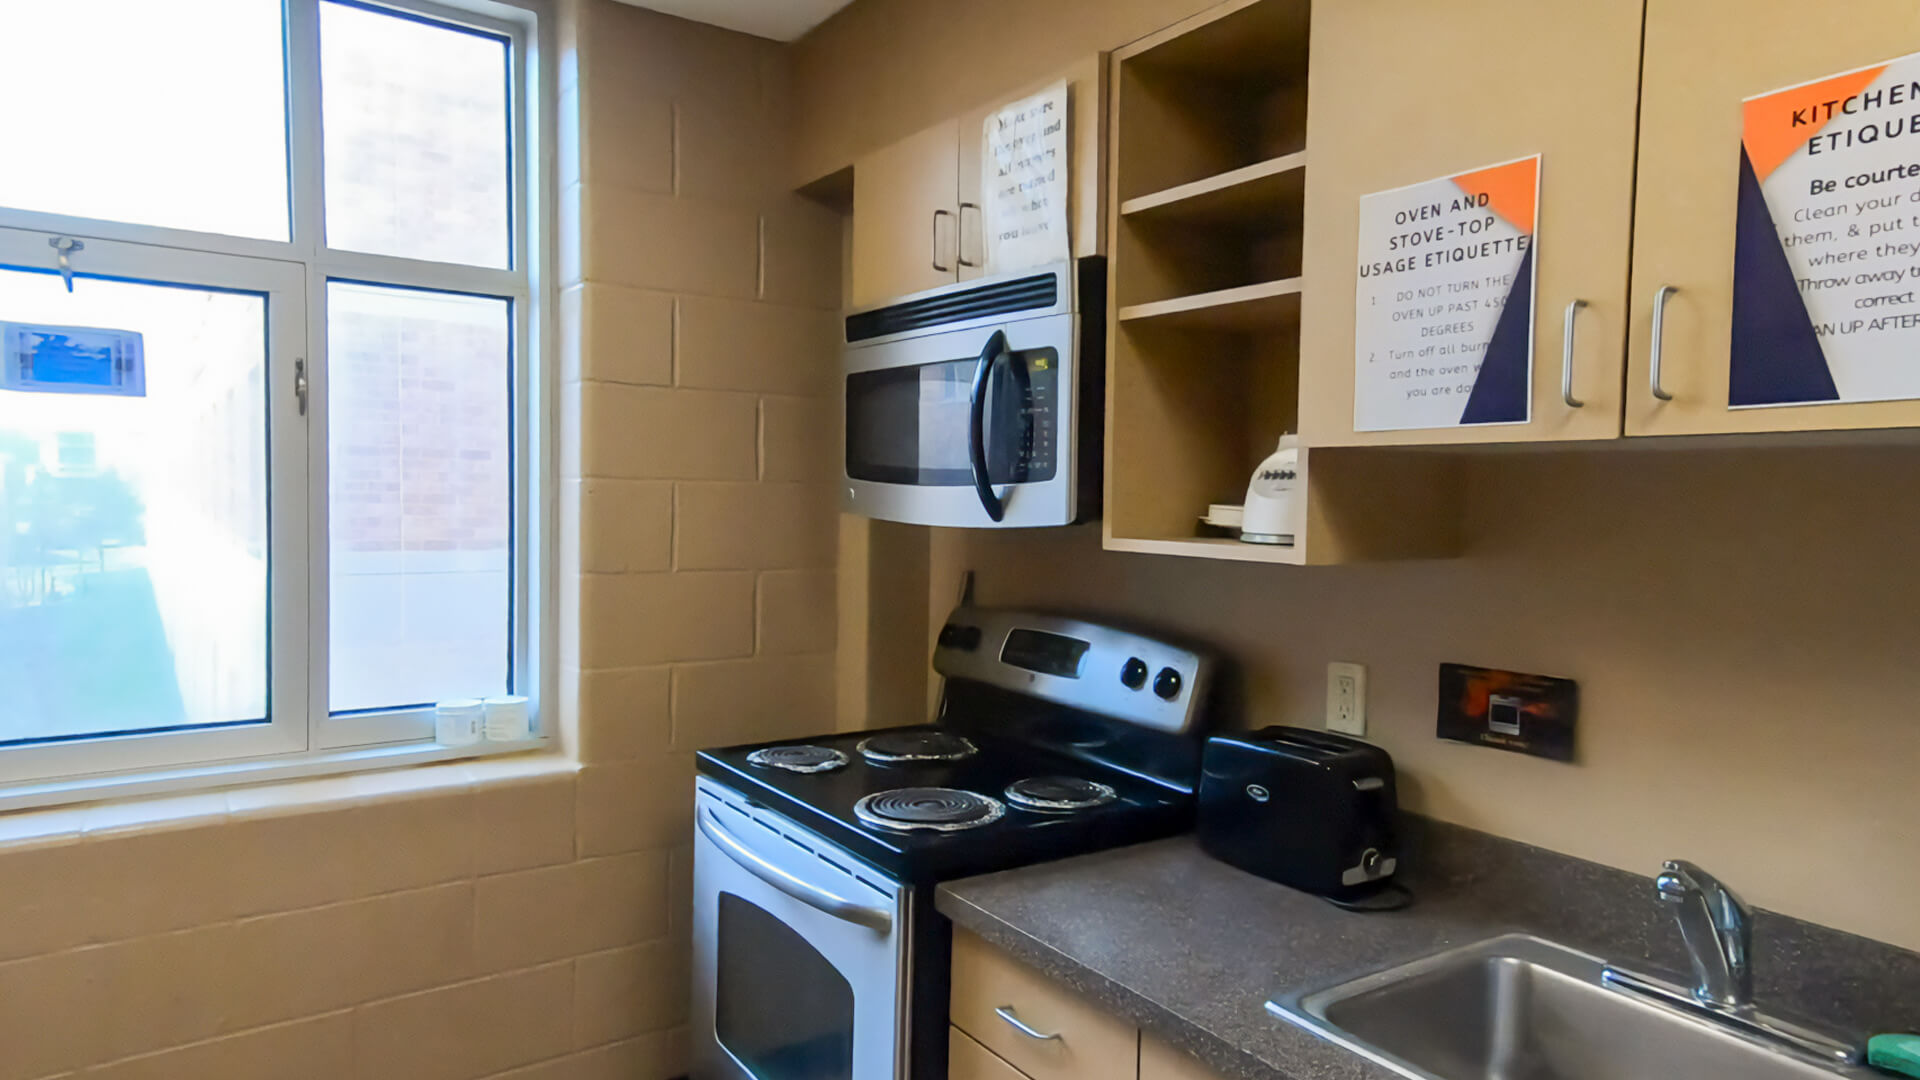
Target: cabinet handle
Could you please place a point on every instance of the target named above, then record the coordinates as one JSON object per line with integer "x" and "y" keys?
{"x": 1659, "y": 332}
{"x": 1566, "y": 358}
{"x": 1005, "y": 1012}
{"x": 937, "y": 215}
{"x": 960, "y": 237}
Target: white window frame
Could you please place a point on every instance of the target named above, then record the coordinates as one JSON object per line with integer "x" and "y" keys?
{"x": 301, "y": 737}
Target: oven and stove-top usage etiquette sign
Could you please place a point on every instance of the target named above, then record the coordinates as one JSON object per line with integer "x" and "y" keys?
{"x": 1443, "y": 324}
{"x": 1826, "y": 267}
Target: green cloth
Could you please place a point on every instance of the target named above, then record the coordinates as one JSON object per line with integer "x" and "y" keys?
{"x": 1895, "y": 1053}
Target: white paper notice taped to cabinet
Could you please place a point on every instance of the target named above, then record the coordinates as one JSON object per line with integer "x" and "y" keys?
{"x": 1826, "y": 251}
{"x": 1443, "y": 323}
{"x": 1023, "y": 167}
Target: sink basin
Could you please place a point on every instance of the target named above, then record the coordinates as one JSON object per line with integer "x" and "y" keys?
{"x": 1522, "y": 1008}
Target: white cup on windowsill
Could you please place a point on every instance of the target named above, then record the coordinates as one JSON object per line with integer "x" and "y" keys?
{"x": 458, "y": 721}
{"x": 508, "y": 719}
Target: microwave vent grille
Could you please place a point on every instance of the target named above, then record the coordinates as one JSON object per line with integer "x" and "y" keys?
{"x": 999, "y": 298}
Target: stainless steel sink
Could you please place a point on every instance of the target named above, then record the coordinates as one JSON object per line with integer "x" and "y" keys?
{"x": 1522, "y": 1008}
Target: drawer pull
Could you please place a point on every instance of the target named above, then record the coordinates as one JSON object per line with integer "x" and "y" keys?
{"x": 1005, "y": 1012}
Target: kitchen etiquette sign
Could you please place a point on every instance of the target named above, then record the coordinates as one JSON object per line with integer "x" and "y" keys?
{"x": 1826, "y": 306}
{"x": 1024, "y": 167}
{"x": 1443, "y": 323}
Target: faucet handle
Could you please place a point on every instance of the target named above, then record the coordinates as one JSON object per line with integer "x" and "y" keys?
{"x": 1730, "y": 913}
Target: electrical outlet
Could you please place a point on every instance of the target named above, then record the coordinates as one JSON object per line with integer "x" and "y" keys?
{"x": 1347, "y": 698}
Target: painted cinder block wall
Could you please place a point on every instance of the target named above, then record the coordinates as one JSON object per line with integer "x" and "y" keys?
{"x": 698, "y": 521}
{"x": 523, "y": 919}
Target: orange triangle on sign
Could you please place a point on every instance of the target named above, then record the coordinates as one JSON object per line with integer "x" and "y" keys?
{"x": 1510, "y": 190}
{"x": 1771, "y": 131}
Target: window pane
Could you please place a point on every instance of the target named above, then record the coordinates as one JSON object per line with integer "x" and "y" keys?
{"x": 420, "y": 463}
{"x": 169, "y": 114}
{"x": 416, "y": 137}
{"x": 133, "y": 529}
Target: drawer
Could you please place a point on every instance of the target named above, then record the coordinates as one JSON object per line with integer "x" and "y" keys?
{"x": 968, "y": 1060}
{"x": 1162, "y": 1061}
{"x": 1086, "y": 1043}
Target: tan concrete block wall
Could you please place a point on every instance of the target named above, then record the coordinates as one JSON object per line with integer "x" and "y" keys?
{"x": 702, "y": 346}
{"x": 451, "y": 924}
{"x": 493, "y": 922}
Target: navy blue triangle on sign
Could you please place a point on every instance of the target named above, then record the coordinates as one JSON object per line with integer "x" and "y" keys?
{"x": 1776, "y": 357}
{"x": 1504, "y": 386}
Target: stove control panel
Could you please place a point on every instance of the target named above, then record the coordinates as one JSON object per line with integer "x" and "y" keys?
{"x": 1101, "y": 669}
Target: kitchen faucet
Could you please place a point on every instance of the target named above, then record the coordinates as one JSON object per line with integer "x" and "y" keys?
{"x": 1718, "y": 930}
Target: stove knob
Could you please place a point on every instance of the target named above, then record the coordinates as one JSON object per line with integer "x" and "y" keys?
{"x": 1167, "y": 684}
{"x": 1133, "y": 675}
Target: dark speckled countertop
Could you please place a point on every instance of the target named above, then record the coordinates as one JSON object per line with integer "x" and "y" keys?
{"x": 1191, "y": 949}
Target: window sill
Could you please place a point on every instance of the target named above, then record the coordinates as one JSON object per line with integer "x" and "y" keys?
{"x": 182, "y": 797}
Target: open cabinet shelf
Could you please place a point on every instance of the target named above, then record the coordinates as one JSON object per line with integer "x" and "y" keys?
{"x": 1206, "y": 197}
{"x": 1269, "y": 305}
{"x": 1243, "y": 196}
{"x": 1212, "y": 547}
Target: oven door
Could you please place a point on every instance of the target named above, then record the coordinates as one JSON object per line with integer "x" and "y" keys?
{"x": 799, "y": 963}
{"x": 971, "y": 427}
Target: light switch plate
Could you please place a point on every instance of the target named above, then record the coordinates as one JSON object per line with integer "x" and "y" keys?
{"x": 1347, "y": 698}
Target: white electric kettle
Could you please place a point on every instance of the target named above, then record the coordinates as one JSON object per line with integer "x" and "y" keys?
{"x": 1271, "y": 506}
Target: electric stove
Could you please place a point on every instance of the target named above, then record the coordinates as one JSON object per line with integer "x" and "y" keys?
{"x": 817, "y": 949}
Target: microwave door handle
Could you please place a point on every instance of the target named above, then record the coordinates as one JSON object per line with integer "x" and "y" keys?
{"x": 873, "y": 918}
{"x": 977, "y": 428}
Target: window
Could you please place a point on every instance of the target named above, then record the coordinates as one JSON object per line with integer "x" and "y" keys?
{"x": 266, "y": 392}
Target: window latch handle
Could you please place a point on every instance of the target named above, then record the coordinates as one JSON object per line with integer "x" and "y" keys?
{"x": 300, "y": 384}
{"x": 66, "y": 246}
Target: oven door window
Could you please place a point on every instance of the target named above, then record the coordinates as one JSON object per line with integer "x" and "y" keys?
{"x": 780, "y": 1008}
{"x": 913, "y": 425}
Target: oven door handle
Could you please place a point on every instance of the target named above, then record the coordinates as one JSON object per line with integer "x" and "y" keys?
{"x": 977, "y": 426}
{"x": 812, "y": 895}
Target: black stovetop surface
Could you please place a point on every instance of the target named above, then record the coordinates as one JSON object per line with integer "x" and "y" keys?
{"x": 823, "y": 802}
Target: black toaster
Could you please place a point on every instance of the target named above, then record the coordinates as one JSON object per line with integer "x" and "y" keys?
{"x": 1310, "y": 809}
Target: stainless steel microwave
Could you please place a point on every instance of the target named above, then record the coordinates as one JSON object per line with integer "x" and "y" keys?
{"x": 979, "y": 404}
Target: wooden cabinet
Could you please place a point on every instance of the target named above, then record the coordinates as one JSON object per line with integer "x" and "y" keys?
{"x": 1690, "y": 137}
{"x": 1086, "y": 165}
{"x": 917, "y": 217}
{"x": 1082, "y": 1043}
{"x": 906, "y": 216}
{"x": 1160, "y": 1060}
{"x": 1044, "y": 1030}
{"x": 1406, "y": 91}
{"x": 1639, "y": 130}
{"x": 968, "y": 1060}
{"x": 1208, "y": 301}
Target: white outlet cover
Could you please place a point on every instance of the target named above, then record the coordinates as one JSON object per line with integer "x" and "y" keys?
{"x": 1348, "y": 717}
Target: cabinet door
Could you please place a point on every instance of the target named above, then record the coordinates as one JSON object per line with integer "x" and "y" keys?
{"x": 1703, "y": 59}
{"x": 1034, "y": 1024}
{"x": 905, "y": 216}
{"x": 1161, "y": 1061}
{"x": 1086, "y": 165}
{"x": 1402, "y": 92}
{"x": 968, "y": 1060}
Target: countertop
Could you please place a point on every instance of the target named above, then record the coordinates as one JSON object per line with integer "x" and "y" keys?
{"x": 1191, "y": 949}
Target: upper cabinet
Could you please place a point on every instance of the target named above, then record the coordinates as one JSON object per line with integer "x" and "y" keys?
{"x": 917, "y": 204}
{"x": 906, "y": 209}
{"x": 1403, "y": 92}
{"x": 1747, "y": 278}
{"x": 1212, "y": 159}
{"x": 1703, "y": 59}
{"x": 1086, "y": 129}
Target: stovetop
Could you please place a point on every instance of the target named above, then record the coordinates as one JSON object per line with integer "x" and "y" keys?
{"x": 824, "y": 803}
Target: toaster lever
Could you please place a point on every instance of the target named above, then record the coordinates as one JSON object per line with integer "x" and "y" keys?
{"x": 1369, "y": 783}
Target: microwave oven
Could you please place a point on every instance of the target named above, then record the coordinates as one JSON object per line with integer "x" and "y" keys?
{"x": 979, "y": 404}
